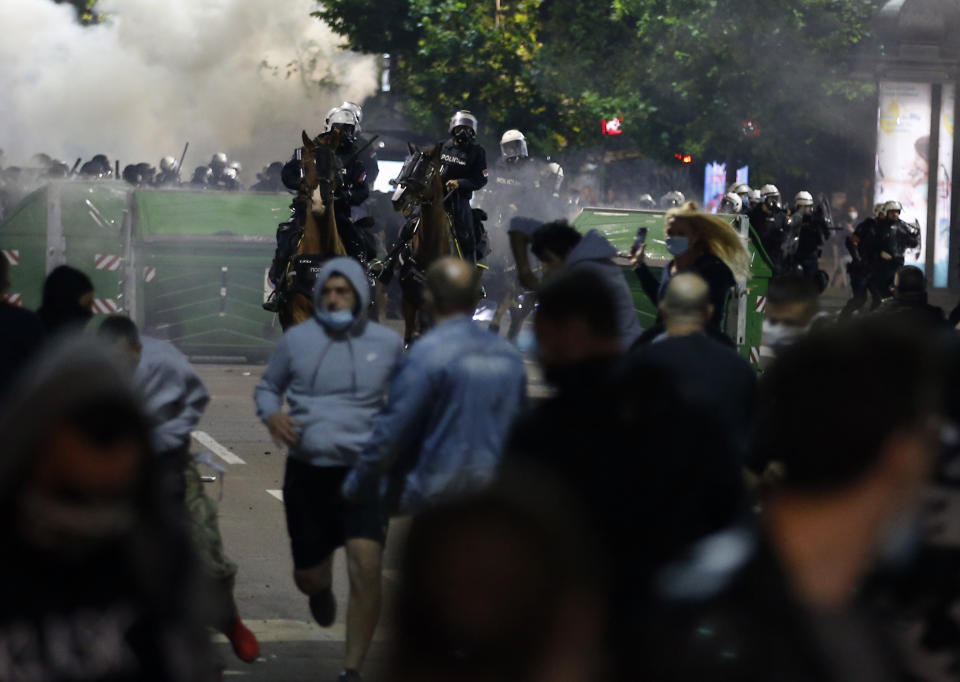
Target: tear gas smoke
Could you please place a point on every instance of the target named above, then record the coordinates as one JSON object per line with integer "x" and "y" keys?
{"x": 240, "y": 77}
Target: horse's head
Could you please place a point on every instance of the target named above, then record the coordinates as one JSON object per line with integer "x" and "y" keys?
{"x": 418, "y": 180}
{"x": 318, "y": 163}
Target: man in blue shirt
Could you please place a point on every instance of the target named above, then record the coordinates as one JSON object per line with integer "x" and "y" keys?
{"x": 450, "y": 407}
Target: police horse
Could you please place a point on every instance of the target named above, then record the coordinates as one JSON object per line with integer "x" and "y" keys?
{"x": 313, "y": 175}
{"x": 427, "y": 234}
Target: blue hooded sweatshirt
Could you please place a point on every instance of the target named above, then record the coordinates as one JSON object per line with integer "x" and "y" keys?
{"x": 334, "y": 382}
{"x": 595, "y": 253}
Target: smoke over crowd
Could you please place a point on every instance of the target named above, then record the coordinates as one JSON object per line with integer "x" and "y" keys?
{"x": 240, "y": 77}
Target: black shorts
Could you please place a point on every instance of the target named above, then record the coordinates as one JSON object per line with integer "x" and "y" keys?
{"x": 319, "y": 520}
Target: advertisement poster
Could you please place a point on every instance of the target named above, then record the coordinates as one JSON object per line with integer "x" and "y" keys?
{"x": 714, "y": 186}
{"x": 903, "y": 153}
{"x": 743, "y": 175}
{"x": 941, "y": 247}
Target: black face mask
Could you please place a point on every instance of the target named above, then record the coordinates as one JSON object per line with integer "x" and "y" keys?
{"x": 463, "y": 138}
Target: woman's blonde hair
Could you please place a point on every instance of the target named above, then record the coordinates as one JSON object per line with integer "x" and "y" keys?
{"x": 719, "y": 237}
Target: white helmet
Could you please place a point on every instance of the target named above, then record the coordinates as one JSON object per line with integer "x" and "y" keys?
{"x": 672, "y": 199}
{"x": 892, "y": 206}
{"x": 463, "y": 118}
{"x": 803, "y": 198}
{"x": 235, "y": 165}
{"x": 219, "y": 160}
{"x": 555, "y": 169}
{"x": 513, "y": 145}
{"x": 646, "y": 201}
{"x": 230, "y": 173}
{"x": 769, "y": 191}
{"x": 357, "y": 111}
{"x": 345, "y": 120}
{"x": 732, "y": 203}
{"x": 168, "y": 164}
{"x": 741, "y": 189}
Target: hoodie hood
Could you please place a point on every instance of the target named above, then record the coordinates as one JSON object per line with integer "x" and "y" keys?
{"x": 60, "y": 310}
{"x": 593, "y": 246}
{"x": 350, "y": 269}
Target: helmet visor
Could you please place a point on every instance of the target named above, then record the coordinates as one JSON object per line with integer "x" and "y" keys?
{"x": 514, "y": 148}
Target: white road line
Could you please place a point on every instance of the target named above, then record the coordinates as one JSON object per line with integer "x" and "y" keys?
{"x": 276, "y": 493}
{"x": 207, "y": 441}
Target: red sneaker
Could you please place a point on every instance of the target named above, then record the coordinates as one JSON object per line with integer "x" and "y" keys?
{"x": 245, "y": 644}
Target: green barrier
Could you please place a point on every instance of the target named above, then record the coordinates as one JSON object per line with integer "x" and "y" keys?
{"x": 204, "y": 258}
{"x": 744, "y": 319}
{"x": 189, "y": 266}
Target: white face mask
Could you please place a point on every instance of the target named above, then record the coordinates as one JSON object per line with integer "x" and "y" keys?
{"x": 778, "y": 335}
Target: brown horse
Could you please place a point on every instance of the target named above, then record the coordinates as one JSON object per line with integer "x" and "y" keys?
{"x": 319, "y": 239}
{"x": 419, "y": 197}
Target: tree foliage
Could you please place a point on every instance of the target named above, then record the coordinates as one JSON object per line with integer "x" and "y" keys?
{"x": 684, "y": 74}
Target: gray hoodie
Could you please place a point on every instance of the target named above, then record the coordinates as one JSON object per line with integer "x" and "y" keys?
{"x": 334, "y": 383}
{"x": 595, "y": 253}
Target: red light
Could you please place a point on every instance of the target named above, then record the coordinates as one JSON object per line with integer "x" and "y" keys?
{"x": 612, "y": 127}
{"x": 686, "y": 159}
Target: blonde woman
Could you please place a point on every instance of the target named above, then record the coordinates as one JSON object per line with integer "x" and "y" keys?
{"x": 703, "y": 244}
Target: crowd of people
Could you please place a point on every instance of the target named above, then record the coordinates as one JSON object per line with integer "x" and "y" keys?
{"x": 664, "y": 514}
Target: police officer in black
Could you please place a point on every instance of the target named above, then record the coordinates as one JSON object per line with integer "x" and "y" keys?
{"x": 464, "y": 171}
{"x": 894, "y": 239}
{"x": 352, "y": 188}
{"x": 769, "y": 220}
{"x": 807, "y": 229}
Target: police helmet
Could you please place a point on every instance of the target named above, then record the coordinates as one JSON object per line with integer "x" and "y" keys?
{"x": 235, "y": 165}
{"x": 646, "y": 201}
{"x": 356, "y": 109}
{"x": 741, "y": 189}
{"x": 343, "y": 120}
{"x": 463, "y": 118}
{"x": 672, "y": 199}
{"x": 202, "y": 175}
{"x": 732, "y": 203}
{"x": 513, "y": 145}
{"x": 219, "y": 160}
{"x": 755, "y": 197}
{"x": 803, "y": 198}
{"x": 769, "y": 191}
{"x": 892, "y": 206}
{"x": 168, "y": 164}
{"x": 101, "y": 159}
{"x": 230, "y": 173}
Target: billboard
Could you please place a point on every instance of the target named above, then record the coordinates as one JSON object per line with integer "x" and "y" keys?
{"x": 714, "y": 186}
{"x": 941, "y": 245}
{"x": 903, "y": 153}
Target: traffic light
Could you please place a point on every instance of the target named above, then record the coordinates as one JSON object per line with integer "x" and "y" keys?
{"x": 683, "y": 158}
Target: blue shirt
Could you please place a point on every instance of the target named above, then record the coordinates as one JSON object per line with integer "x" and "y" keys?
{"x": 449, "y": 410}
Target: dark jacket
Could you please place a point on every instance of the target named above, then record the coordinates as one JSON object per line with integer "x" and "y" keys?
{"x": 727, "y": 614}
{"x": 913, "y": 309}
{"x": 466, "y": 165}
{"x": 120, "y": 604}
{"x": 20, "y": 338}
{"x": 710, "y": 376}
{"x": 714, "y": 272}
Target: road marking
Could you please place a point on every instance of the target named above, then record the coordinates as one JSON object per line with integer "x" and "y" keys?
{"x": 207, "y": 441}
{"x": 276, "y": 493}
{"x": 285, "y": 630}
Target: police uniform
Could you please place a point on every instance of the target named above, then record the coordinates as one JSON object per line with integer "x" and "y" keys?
{"x": 807, "y": 233}
{"x": 353, "y": 190}
{"x": 468, "y": 166}
{"x": 771, "y": 228}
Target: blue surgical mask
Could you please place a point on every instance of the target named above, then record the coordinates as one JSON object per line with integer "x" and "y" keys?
{"x": 677, "y": 245}
{"x": 336, "y": 320}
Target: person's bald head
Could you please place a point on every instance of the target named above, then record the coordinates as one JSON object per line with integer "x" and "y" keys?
{"x": 453, "y": 285}
{"x": 687, "y": 302}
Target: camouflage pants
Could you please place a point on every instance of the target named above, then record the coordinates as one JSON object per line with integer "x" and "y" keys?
{"x": 205, "y": 530}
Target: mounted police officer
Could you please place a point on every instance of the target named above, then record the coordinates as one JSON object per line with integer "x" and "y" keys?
{"x": 353, "y": 188}
{"x": 464, "y": 171}
{"x": 807, "y": 229}
{"x": 769, "y": 220}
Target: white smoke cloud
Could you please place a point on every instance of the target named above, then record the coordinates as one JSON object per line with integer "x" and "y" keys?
{"x": 160, "y": 73}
